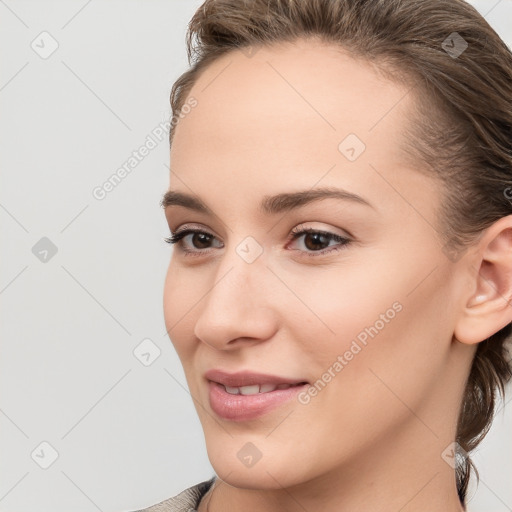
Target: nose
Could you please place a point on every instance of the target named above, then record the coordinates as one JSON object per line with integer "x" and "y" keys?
{"x": 238, "y": 307}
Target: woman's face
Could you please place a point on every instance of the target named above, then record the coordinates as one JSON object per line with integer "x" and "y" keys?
{"x": 368, "y": 320}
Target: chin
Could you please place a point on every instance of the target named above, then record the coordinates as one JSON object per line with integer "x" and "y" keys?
{"x": 254, "y": 479}
{"x": 255, "y": 464}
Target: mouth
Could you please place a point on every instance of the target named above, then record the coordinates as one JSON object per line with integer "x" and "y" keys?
{"x": 248, "y": 396}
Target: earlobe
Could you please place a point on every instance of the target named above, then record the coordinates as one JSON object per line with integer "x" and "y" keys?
{"x": 489, "y": 307}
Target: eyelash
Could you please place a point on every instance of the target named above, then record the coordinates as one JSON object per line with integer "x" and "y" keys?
{"x": 297, "y": 232}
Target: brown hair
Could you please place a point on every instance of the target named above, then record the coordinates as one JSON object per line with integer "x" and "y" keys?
{"x": 460, "y": 128}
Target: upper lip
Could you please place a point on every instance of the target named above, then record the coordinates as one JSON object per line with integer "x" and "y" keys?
{"x": 246, "y": 378}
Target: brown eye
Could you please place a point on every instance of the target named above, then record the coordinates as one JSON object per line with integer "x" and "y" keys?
{"x": 316, "y": 241}
{"x": 200, "y": 240}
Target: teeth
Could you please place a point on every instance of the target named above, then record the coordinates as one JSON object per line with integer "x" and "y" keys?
{"x": 250, "y": 390}
{"x": 265, "y": 388}
{"x": 255, "y": 389}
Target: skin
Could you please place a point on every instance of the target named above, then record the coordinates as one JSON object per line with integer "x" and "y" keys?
{"x": 373, "y": 438}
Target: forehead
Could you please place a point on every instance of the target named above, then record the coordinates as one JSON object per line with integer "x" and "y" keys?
{"x": 289, "y": 93}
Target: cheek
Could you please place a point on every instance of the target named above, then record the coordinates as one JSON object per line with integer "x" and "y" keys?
{"x": 178, "y": 302}
{"x": 339, "y": 305}
{"x": 387, "y": 325}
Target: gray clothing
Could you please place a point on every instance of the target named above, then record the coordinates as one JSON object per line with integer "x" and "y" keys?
{"x": 186, "y": 501}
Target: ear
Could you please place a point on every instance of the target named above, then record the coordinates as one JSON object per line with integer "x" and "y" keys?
{"x": 489, "y": 308}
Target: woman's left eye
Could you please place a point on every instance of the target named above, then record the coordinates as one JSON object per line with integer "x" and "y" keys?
{"x": 314, "y": 239}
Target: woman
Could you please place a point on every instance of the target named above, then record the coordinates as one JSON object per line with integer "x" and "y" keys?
{"x": 339, "y": 292}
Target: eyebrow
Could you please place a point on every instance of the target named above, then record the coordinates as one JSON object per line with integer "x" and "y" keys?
{"x": 270, "y": 205}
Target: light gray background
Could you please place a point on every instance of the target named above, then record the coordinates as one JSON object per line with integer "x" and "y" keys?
{"x": 126, "y": 434}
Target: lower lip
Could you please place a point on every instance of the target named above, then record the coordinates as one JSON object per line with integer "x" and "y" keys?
{"x": 247, "y": 407}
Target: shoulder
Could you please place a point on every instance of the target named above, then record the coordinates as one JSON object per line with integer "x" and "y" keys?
{"x": 185, "y": 501}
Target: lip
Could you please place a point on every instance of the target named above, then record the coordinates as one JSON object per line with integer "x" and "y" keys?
{"x": 247, "y": 407}
{"x": 245, "y": 378}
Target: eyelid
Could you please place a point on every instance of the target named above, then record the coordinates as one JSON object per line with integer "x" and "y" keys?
{"x": 184, "y": 227}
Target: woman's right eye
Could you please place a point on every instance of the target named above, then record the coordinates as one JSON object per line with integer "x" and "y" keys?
{"x": 201, "y": 237}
